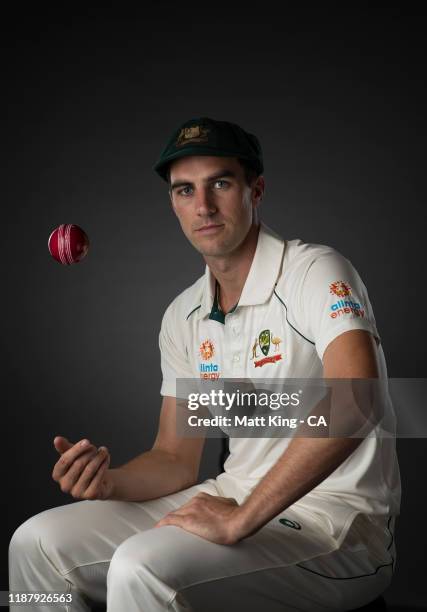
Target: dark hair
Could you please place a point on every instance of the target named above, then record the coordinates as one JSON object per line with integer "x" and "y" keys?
{"x": 249, "y": 170}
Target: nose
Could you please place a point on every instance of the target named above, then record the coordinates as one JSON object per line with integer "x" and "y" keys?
{"x": 204, "y": 203}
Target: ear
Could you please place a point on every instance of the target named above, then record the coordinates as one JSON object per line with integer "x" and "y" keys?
{"x": 258, "y": 190}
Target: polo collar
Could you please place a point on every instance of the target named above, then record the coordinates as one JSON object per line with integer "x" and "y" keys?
{"x": 261, "y": 280}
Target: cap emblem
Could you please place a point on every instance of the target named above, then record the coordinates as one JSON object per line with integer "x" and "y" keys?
{"x": 195, "y": 133}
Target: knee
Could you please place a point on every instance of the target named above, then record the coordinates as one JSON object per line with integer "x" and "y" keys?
{"x": 23, "y": 539}
{"x": 126, "y": 570}
{"x": 130, "y": 557}
{"x": 142, "y": 557}
{"x": 38, "y": 537}
{"x": 139, "y": 569}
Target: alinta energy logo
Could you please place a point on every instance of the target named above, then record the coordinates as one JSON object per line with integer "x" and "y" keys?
{"x": 344, "y": 306}
{"x": 208, "y": 370}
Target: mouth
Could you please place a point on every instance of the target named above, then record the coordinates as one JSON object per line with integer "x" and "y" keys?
{"x": 210, "y": 229}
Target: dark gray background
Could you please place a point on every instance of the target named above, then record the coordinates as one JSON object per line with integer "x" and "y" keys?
{"x": 338, "y": 103}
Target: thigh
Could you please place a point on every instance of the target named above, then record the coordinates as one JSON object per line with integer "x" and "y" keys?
{"x": 78, "y": 540}
{"x": 87, "y": 532}
{"x": 335, "y": 581}
{"x": 182, "y": 560}
{"x": 278, "y": 568}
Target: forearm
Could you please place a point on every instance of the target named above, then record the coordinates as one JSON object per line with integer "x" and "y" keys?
{"x": 304, "y": 464}
{"x": 152, "y": 474}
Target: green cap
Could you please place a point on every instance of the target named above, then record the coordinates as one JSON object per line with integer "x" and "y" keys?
{"x": 205, "y": 136}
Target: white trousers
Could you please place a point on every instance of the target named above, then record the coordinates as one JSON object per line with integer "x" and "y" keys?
{"x": 108, "y": 551}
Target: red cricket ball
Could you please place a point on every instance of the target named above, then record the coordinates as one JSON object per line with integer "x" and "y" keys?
{"x": 68, "y": 244}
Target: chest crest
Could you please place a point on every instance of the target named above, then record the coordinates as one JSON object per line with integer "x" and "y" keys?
{"x": 266, "y": 348}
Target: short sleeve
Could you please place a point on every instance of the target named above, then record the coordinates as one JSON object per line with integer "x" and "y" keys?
{"x": 173, "y": 353}
{"x": 334, "y": 300}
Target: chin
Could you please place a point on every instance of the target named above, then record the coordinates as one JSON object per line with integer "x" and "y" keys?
{"x": 215, "y": 250}
{"x": 214, "y": 246}
{"x": 212, "y": 252}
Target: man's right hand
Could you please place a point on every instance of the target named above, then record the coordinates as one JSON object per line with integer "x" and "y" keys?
{"x": 82, "y": 469}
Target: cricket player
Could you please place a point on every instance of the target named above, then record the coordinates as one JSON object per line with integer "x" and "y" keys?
{"x": 291, "y": 523}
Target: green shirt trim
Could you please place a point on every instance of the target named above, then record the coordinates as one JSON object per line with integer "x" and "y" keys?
{"x": 216, "y": 312}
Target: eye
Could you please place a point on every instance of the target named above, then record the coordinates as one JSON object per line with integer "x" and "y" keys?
{"x": 181, "y": 191}
{"x": 224, "y": 183}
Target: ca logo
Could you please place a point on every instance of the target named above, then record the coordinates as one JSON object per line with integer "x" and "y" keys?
{"x": 289, "y": 523}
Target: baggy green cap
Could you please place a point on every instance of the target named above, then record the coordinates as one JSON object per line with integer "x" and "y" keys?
{"x": 205, "y": 136}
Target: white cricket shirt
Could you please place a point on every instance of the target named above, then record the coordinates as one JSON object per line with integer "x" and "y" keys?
{"x": 296, "y": 299}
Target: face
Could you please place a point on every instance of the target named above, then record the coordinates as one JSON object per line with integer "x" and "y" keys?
{"x": 214, "y": 205}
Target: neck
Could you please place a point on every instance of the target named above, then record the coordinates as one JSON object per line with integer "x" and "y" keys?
{"x": 232, "y": 270}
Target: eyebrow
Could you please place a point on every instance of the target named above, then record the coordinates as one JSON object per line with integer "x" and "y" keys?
{"x": 213, "y": 177}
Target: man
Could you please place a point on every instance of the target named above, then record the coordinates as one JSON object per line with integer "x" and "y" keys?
{"x": 290, "y": 524}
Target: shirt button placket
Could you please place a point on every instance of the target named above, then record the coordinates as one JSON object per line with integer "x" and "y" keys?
{"x": 234, "y": 346}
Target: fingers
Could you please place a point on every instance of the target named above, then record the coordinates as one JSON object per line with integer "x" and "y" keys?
{"x": 70, "y": 478}
{"x": 200, "y": 504}
{"x": 191, "y": 503}
{"x": 61, "y": 444}
{"x": 96, "y": 488}
{"x": 69, "y": 457}
{"x": 173, "y": 518}
{"x": 87, "y": 486}
{"x": 187, "y": 510}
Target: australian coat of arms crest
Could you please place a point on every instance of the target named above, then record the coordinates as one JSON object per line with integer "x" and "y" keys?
{"x": 264, "y": 342}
